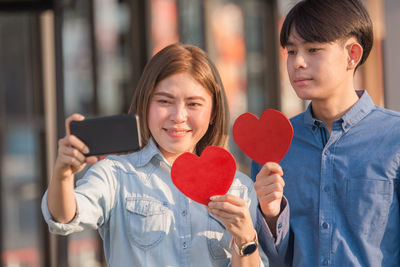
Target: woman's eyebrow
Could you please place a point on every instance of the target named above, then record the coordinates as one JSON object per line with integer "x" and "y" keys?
{"x": 196, "y": 98}
{"x": 163, "y": 94}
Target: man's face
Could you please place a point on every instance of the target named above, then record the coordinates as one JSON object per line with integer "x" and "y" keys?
{"x": 317, "y": 71}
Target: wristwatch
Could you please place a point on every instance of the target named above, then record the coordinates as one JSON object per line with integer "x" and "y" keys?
{"x": 245, "y": 249}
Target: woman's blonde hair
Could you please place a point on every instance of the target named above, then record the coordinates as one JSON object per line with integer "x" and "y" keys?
{"x": 182, "y": 58}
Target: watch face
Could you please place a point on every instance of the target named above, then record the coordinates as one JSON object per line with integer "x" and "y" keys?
{"x": 249, "y": 249}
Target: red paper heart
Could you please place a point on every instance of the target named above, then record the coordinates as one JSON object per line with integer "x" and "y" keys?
{"x": 199, "y": 178}
{"x": 265, "y": 139}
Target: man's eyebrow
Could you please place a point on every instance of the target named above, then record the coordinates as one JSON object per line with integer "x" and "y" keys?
{"x": 290, "y": 43}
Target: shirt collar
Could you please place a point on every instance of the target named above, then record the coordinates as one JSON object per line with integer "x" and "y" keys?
{"x": 358, "y": 112}
{"x": 150, "y": 151}
{"x": 361, "y": 109}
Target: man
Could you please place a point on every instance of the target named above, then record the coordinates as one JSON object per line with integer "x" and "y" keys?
{"x": 341, "y": 174}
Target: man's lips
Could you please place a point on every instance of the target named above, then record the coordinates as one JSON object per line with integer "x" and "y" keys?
{"x": 301, "y": 81}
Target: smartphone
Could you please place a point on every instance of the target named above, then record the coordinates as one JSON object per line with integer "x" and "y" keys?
{"x": 109, "y": 135}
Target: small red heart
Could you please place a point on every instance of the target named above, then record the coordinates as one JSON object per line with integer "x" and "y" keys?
{"x": 265, "y": 139}
{"x": 199, "y": 178}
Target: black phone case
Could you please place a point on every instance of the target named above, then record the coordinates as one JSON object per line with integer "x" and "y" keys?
{"x": 108, "y": 135}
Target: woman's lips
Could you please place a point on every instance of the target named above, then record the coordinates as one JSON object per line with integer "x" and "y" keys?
{"x": 176, "y": 132}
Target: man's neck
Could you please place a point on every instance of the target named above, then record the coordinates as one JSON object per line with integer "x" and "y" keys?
{"x": 332, "y": 109}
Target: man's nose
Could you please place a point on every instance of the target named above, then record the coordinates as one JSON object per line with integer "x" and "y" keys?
{"x": 300, "y": 61}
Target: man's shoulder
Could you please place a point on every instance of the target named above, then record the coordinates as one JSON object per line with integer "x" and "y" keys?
{"x": 385, "y": 118}
{"x": 395, "y": 115}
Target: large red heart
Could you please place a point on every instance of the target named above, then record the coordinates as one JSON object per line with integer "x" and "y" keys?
{"x": 199, "y": 178}
{"x": 265, "y": 139}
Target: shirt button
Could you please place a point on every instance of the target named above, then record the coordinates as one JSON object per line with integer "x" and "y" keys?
{"x": 325, "y": 225}
{"x": 325, "y": 262}
{"x": 279, "y": 225}
{"x": 326, "y": 188}
{"x": 184, "y": 245}
{"x": 184, "y": 213}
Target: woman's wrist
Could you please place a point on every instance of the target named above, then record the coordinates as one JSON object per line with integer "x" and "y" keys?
{"x": 245, "y": 248}
{"x": 243, "y": 239}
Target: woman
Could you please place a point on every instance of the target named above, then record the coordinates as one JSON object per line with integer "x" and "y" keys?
{"x": 143, "y": 219}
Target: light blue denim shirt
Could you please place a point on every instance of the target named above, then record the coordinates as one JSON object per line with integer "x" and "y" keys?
{"x": 343, "y": 191}
{"x": 143, "y": 219}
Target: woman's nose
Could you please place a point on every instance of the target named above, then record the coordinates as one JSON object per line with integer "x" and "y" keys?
{"x": 179, "y": 113}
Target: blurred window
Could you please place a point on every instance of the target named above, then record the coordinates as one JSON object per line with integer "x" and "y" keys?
{"x": 22, "y": 168}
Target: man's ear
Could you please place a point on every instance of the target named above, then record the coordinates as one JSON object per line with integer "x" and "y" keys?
{"x": 355, "y": 52}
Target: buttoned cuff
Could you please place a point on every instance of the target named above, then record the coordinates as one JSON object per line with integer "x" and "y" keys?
{"x": 266, "y": 240}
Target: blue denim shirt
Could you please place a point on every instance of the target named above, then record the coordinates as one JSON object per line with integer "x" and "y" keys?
{"x": 343, "y": 191}
{"x": 143, "y": 219}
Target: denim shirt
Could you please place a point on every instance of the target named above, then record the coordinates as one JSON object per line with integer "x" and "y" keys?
{"x": 342, "y": 190}
{"x": 143, "y": 219}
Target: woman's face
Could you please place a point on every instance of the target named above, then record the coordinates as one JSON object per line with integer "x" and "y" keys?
{"x": 179, "y": 114}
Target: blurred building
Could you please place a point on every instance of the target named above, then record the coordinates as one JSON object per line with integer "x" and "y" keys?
{"x": 58, "y": 57}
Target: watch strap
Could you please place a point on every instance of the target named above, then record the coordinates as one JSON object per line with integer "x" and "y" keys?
{"x": 241, "y": 250}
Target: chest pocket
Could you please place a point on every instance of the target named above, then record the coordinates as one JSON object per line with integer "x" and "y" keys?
{"x": 147, "y": 221}
{"x": 218, "y": 239}
{"x": 367, "y": 204}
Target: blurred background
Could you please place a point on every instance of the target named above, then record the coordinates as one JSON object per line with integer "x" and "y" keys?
{"x": 58, "y": 57}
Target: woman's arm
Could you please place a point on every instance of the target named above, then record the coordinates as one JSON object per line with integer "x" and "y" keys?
{"x": 70, "y": 159}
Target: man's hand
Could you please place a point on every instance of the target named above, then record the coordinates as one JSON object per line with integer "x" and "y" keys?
{"x": 269, "y": 188}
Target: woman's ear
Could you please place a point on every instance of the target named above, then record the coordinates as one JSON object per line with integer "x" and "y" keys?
{"x": 212, "y": 119}
{"x": 355, "y": 52}
{"x": 213, "y": 116}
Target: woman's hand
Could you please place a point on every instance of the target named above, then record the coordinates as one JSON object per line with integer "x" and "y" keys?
{"x": 71, "y": 150}
{"x": 235, "y": 215}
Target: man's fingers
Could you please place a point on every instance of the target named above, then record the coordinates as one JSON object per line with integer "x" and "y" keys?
{"x": 269, "y": 180}
{"x": 269, "y": 196}
{"x": 268, "y": 188}
{"x": 269, "y": 168}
